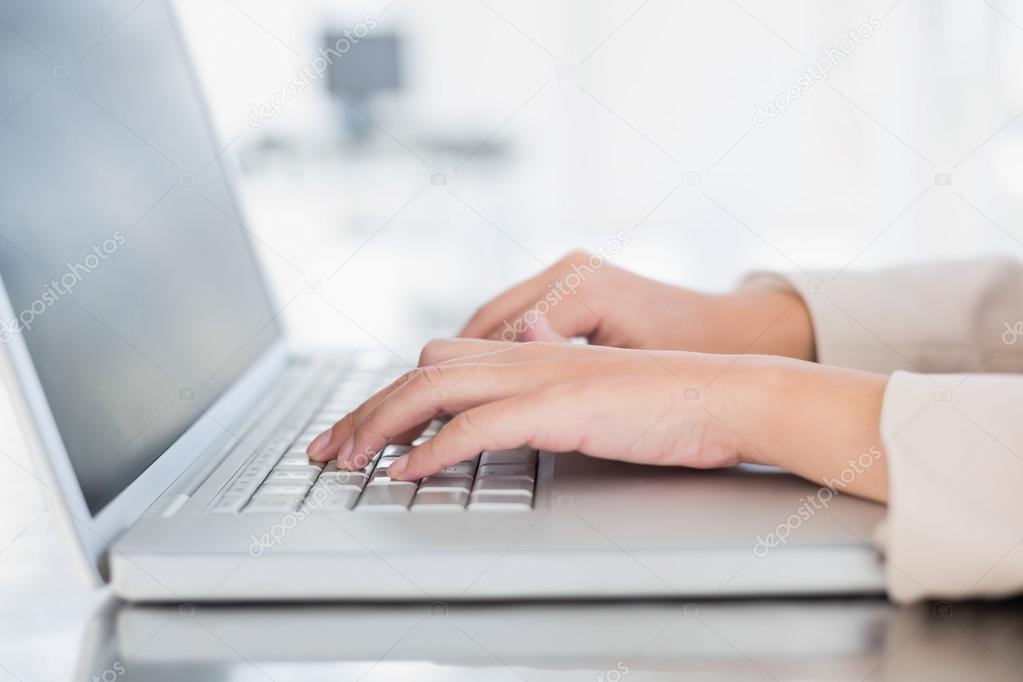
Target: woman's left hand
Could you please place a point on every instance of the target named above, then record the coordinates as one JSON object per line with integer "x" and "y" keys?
{"x": 653, "y": 407}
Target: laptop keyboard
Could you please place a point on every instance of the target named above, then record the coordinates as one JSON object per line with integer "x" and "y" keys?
{"x": 281, "y": 478}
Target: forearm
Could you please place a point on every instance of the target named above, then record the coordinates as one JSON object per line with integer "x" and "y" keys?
{"x": 763, "y": 322}
{"x": 821, "y": 423}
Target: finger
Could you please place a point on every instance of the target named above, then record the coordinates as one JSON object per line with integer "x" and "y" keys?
{"x": 499, "y": 425}
{"x": 542, "y": 330}
{"x": 447, "y": 351}
{"x": 489, "y": 317}
{"x": 502, "y": 353}
{"x": 495, "y": 319}
{"x": 565, "y": 310}
{"x": 326, "y": 445}
{"x": 449, "y": 390}
{"x": 408, "y": 435}
{"x": 439, "y": 351}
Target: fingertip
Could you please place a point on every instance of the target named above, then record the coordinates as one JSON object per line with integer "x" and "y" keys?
{"x": 397, "y": 469}
{"x": 322, "y": 456}
{"x": 319, "y": 444}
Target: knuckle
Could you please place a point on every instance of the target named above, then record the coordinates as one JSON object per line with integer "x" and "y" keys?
{"x": 430, "y": 376}
{"x": 431, "y": 350}
{"x": 410, "y": 376}
{"x": 574, "y": 257}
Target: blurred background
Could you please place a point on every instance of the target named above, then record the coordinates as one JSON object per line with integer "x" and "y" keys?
{"x": 402, "y": 162}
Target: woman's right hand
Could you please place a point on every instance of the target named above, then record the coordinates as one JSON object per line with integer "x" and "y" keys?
{"x": 584, "y": 295}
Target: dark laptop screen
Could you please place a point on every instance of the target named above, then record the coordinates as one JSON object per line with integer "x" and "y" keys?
{"x": 132, "y": 282}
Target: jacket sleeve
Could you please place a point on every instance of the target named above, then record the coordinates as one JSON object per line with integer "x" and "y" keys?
{"x": 960, "y": 316}
{"x": 954, "y": 442}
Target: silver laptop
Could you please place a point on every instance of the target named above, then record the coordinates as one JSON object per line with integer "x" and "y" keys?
{"x": 157, "y": 392}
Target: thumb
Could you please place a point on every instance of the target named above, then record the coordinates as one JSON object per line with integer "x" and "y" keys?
{"x": 541, "y": 330}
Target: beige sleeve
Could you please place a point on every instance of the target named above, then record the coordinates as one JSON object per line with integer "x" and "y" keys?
{"x": 954, "y": 442}
{"x": 959, "y": 316}
{"x": 955, "y": 509}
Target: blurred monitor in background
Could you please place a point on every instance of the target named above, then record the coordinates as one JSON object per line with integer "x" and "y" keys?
{"x": 366, "y": 66}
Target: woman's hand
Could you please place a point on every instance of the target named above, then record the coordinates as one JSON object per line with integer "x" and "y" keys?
{"x": 654, "y": 407}
{"x": 583, "y": 295}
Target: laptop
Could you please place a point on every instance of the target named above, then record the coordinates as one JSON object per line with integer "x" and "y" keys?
{"x": 158, "y": 394}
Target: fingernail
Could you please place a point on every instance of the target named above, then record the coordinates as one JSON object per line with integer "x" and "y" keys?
{"x": 346, "y": 449}
{"x": 397, "y": 467}
{"x": 318, "y": 443}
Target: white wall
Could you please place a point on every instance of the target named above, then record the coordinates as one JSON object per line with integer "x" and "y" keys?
{"x": 847, "y": 177}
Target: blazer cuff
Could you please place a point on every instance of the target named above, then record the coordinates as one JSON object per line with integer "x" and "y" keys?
{"x": 878, "y": 321}
{"x": 955, "y": 513}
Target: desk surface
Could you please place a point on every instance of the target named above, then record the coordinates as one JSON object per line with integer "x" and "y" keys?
{"x": 95, "y": 638}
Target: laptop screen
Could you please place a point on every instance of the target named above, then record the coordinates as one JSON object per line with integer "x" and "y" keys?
{"x": 132, "y": 282}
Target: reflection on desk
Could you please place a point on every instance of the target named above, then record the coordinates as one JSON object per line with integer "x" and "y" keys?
{"x": 758, "y": 640}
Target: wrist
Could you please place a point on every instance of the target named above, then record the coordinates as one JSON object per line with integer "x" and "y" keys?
{"x": 768, "y": 322}
{"x": 813, "y": 421}
{"x": 823, "y": 423}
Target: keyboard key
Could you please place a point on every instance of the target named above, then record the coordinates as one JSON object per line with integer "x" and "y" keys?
{"x": 393, "y": 497}
{"x": 489, "y": 501}
{"x": 298, "y": 460}
{"x": 394, "y": 450}
{"x": 365, "y": 466}
{"x": 447, "y": 483}
{"x": 252, "y": 478}
{"x": 517, "y": 485}
{"x": 349, "y": 479}
{"x": 432, "y": 428}
{"x": 467, "y": 468}
{"x": 273, "y": 503}
{"x": 421, "y": 440}
{"x": 293, "y": 474}
{"x": 380, "y": 477}
{"x": 330, "y": 498}
{"x": 516, "y": 456}
{"x": 524, "y": 470}
{"x": 297, "y": 463}
{"x": 229, "y": 503}
{"x": 284, "y": 488}
{"x": 385, "y": 462}
{"x": 440, "y": 500}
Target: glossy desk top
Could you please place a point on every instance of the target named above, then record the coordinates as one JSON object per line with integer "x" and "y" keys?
{"x": 98, "y": 638}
